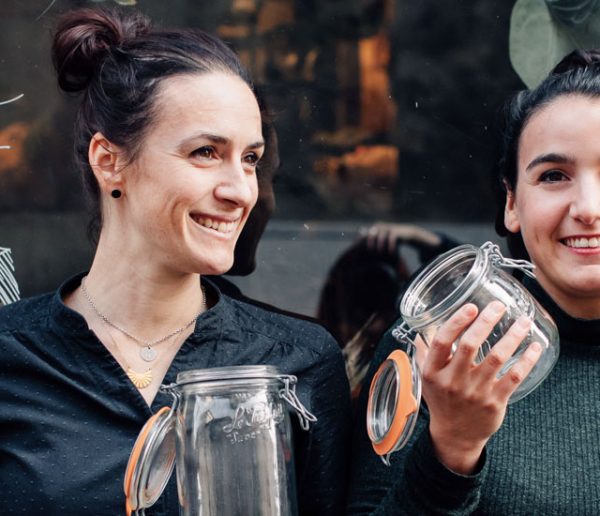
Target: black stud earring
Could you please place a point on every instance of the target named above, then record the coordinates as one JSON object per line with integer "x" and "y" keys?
{"x": 116, "y": 194}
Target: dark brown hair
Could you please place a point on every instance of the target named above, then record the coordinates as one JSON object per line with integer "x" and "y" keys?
{"x": 116, "y": 60}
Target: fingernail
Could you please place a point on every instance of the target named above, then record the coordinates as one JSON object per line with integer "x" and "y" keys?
{"x": 536, "y": 347}
{"x": 523, "y": 322}
{"x": 469, "y": 309}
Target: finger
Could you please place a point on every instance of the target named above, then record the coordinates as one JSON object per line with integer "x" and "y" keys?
{"x": 472, "y": 339}
{"x": 392, "y": 243}
{"x": 441, "y": 344}
{"x": 518, "y": 372}
{"x": 503, "y": 350}
{"x": 382, "y": 239}
{"x": 403, "y": 232}
{"x": 425, "y": 238}
{"x": 372, "y": 237}
{"x": 396, "y": 237}
{"x": 421, "y": 351}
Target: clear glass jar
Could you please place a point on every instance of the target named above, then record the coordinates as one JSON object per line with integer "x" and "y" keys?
{"x": 466, "y": 274}
{"x": 228, "y": 432}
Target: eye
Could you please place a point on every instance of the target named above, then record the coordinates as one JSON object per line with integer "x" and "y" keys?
{"x": 251, "y": 159}
{"x": 553, "y": 176}
{"x": 206, "y": 152}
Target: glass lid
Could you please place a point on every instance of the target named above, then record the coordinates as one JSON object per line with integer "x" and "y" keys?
{"x": 151, "y": 462}
{"x": 394, "y": 399}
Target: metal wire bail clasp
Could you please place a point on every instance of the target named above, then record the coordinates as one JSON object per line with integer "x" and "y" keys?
{"x": 288, "y": 393}
{"x": 492, "y": 251}
{"x": 402, "y": 334}
{"x": 173, "y": 391}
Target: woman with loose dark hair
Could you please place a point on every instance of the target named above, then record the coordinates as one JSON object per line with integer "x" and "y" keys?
{"x": 168, "y": 138}
{"x": 469, "y": 454}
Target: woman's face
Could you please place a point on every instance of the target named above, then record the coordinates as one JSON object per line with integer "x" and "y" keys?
{"x": 556, "y": 202}
{"x": 189, "y": 192}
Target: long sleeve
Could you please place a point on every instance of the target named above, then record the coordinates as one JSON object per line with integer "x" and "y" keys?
{"x": 324, "y": 477}
{"x": 416, "y": 482}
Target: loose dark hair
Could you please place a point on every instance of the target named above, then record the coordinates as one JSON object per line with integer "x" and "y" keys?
{"x": 117, "y": 60}
{"x": 577, "y": 74}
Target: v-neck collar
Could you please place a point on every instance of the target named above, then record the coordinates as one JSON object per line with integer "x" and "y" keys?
{"x": 71, "y": 325}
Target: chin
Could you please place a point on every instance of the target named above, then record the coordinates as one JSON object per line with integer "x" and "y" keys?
{"x": 216, "y": 270}
{"x": 212, "y": 266}
{"x": 588, "y": 288}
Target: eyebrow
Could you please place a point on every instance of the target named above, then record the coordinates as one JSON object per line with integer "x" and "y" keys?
{"x": 551, "y": 157}
{"x": 221, "y": 140}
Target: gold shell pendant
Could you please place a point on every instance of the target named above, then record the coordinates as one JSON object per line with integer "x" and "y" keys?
{"x": 140, "y": 380}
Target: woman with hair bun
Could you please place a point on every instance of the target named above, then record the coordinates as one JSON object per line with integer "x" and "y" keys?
{"x": 469, "y": 454}
{"x": 167, "y": 139}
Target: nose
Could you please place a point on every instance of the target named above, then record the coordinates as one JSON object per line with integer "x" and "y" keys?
{"x": 585, "y": 207}
{"x": 237, "y": 185}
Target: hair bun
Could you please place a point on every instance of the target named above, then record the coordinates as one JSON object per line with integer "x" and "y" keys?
{"x": 577, "y": 59}
{"x": 83, "y": 37}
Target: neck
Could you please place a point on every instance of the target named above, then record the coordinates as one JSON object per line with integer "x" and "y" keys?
{"x": 147, "y": 300}
{"x": 576, "y": 304}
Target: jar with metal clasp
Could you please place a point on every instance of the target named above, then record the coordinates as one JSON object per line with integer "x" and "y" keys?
{"x": 465, "y": 274}
{"x": 228, "y": 433}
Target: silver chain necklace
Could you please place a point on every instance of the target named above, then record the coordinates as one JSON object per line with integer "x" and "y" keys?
{"x": 147, "y": 353}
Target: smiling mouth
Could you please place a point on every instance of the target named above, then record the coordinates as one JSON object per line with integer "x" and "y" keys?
{"x": 582, "y": 242}
{"x": 216, "y": 225}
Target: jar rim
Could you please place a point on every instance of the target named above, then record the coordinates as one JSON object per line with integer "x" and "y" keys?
{"x": 432, "y": 272}
{"x": 248, "y": 372}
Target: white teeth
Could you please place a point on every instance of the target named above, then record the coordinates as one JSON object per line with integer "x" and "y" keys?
{"x": 221, "y": 227}
{"x": 582, "y": 242}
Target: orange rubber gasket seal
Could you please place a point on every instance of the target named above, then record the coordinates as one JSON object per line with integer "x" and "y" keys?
{"x": 135, "y": 455}
{"x": 406, "y": 403}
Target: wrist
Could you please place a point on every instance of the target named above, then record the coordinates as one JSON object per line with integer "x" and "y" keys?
{"x": 458, "y": 455}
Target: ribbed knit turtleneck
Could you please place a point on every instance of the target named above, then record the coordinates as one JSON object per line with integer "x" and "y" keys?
{"x": 545, "y": 459}
{"x": 572, "y": 329}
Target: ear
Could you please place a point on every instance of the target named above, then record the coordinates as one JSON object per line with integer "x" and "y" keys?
{"x": 106, "y": 163}
{"x": 511, "y": 218}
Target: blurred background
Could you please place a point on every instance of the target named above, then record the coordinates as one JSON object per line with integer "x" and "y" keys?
{"x": 385, "y": 110}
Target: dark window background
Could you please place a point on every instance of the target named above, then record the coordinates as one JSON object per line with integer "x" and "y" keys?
{"x": 385, "y": 110}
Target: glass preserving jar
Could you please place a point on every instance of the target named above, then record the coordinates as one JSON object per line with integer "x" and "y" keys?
{"x": 229, "y": 434}
{"x": 465, "y": 274}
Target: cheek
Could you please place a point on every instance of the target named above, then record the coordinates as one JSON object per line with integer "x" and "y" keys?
{"x": 254, "y": 189}
{"x": 539, "y": 218}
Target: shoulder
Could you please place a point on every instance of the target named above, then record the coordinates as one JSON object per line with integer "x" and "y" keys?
{"x": 291, "y": 328}
{"x": 27, "y": 313}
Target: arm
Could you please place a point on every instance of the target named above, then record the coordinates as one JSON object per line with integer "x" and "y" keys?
{"x": 442, "y": 468}
{"x": 387, "y": 237}
{"x": 416, "y": 482}
{"x": 324, "y": 478}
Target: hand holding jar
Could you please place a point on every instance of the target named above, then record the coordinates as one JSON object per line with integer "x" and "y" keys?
{"x": 473, "y": 365}
{"x": 467, "y": 400}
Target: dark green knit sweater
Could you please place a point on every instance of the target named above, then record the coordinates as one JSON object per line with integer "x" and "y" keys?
{"x": 544, "y": 460}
